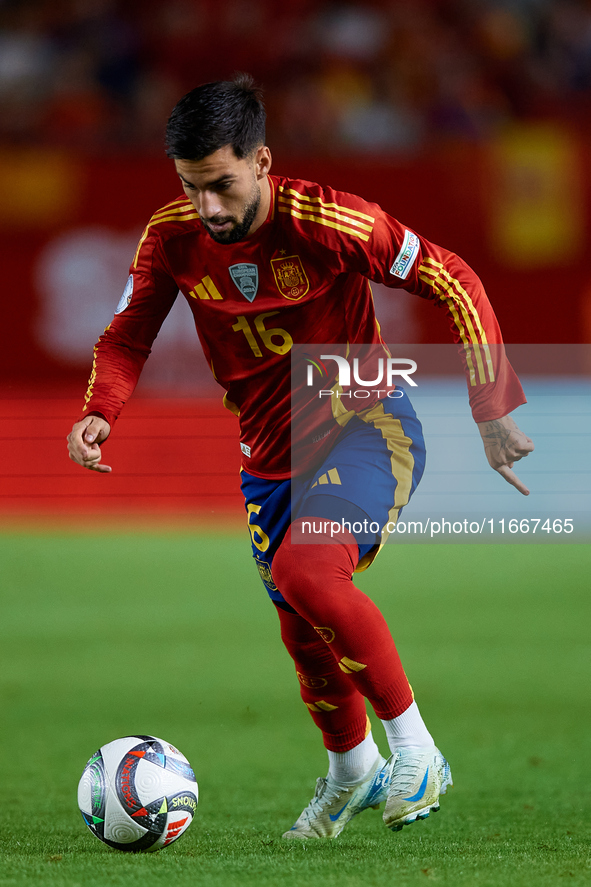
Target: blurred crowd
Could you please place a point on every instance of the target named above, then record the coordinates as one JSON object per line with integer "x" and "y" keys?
{"x": 362, "y": 76}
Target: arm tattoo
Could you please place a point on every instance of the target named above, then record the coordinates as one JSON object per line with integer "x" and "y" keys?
{"x": 496, "y": 433}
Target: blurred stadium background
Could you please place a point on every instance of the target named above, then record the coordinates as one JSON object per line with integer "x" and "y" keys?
{"x": 466, "y": 119}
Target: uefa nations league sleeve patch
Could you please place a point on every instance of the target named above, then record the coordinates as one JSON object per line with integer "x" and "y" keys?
{"x": 126, "y": 297}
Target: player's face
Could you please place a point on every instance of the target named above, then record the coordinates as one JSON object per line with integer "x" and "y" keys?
{"x": 226, "y": 191}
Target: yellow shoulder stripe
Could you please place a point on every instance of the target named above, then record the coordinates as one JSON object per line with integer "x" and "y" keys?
{"x": 185, "y": 207}
{"x": 169, "y": 213}
{"x": 326, "y": 213}
{"x": 345, "y": 209}
{"x": 322, "y": 221}
{"x": 176, "y": 202}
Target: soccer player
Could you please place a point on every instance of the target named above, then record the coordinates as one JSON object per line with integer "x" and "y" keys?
{"x": 265, "y": 262}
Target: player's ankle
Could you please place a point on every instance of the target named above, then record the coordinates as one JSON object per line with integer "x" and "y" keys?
{"x": 352, "y": 766}
{"x": 408, "y": 730}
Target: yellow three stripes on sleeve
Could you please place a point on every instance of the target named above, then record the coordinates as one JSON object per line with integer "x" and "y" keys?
{"x": 465, "y": 318}
{"x": 314, "y": 209}
{"x": 177, "y": 211}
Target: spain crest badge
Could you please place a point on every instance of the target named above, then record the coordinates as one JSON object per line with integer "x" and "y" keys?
{"x": 290, "y": 277}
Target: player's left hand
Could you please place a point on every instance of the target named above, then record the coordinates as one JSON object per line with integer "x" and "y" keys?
{"x": 505, "y": 444}
{"x": 83, "y": 443}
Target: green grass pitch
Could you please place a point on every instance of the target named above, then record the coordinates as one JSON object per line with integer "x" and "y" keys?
{"x": 171, "y": 633}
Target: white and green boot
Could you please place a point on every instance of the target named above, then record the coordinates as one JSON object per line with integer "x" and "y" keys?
{"x": 418, "y": 777}
{"x": 334, "y": 805}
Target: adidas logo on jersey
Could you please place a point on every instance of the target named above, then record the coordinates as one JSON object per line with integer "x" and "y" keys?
{"x": 206, "y": 290}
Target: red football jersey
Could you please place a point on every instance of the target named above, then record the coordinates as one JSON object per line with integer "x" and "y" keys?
{"x": 302, "y": 277}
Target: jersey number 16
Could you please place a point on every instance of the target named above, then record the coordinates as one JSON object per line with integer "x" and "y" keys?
{"x": 266, "y": 335}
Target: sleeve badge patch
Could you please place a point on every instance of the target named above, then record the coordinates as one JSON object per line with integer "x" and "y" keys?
{"x": 405, "y": 258}
{"x": 290, "y": 277}
{"x": 126, "y": 297}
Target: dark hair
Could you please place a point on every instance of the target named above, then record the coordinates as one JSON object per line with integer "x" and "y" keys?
{"x": 227, "y": 112}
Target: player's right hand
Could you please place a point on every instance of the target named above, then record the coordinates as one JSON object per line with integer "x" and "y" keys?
{"x": 83, "y": 443}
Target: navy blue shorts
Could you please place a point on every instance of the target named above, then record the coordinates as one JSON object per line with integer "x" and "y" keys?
{"x": 363, "y": 484}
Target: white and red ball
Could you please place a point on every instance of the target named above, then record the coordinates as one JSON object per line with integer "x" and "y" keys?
{"x": 138, "y": 793}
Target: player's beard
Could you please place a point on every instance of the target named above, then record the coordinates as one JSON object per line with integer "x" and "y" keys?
{"x": 240, "y": 229}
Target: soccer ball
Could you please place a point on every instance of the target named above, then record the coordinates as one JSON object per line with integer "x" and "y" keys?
{"x": 138, "y": 793}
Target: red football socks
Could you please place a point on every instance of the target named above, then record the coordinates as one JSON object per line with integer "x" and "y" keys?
{"x": 334, "y": 703}
{"x": 315, "y": 579}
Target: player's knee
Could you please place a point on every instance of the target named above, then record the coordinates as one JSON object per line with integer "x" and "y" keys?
{"x": 302, "y": 568}
{"x": 291, "y": 568}
{"x": 310, "y": 658}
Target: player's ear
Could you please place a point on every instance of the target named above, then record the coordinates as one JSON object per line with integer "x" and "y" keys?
{"x": 263, "y": 162}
